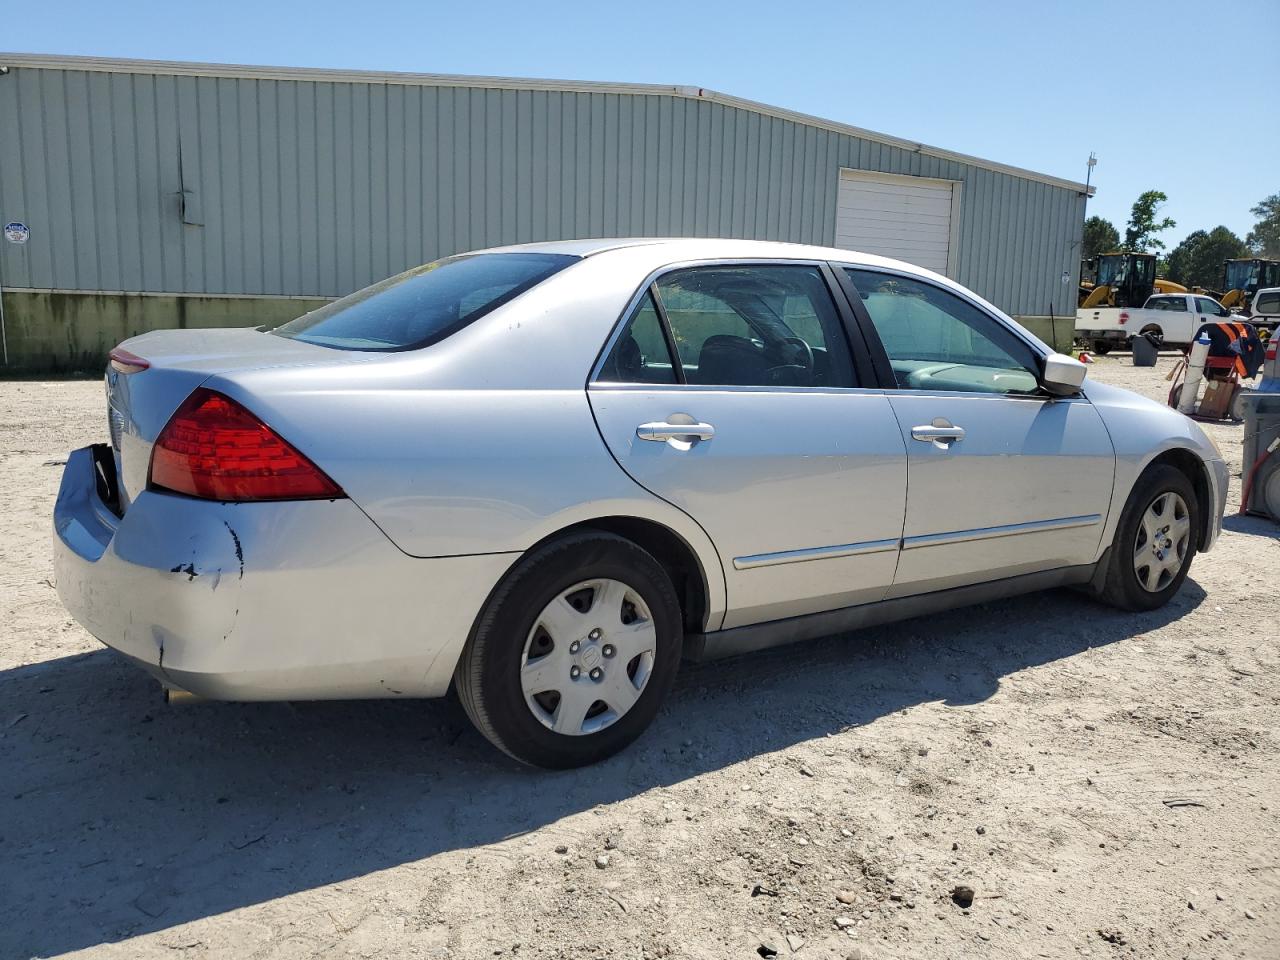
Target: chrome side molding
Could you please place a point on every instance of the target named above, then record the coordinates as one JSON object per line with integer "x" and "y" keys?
{"x": 1007, "y": 530}
{"x": 814, "y": 553}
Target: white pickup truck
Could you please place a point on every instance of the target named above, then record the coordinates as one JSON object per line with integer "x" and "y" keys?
{"x": 1174, "y": 317}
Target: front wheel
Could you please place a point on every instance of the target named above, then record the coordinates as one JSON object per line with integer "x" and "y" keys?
{"x": 1154, "y": 542}
{"x": 574, "y": 652}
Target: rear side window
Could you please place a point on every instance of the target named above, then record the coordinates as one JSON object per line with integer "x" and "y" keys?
{"x": 756, "y": 325}
{"x": 640, "y": 354}
{"x": 424, "y": 305}
{"x": 1173, "y": 304}
{"x": 1267, "y": 302}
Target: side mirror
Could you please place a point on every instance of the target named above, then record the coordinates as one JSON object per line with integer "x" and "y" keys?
{"x": 1063, "y": 376}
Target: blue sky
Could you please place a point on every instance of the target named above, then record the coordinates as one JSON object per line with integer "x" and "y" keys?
{"x": 1166, "y": 93}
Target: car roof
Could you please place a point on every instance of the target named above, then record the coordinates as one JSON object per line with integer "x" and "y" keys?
{"x": 665, "y": 250}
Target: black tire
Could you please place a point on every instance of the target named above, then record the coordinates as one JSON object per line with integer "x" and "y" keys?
{"x": 1101, "y": 347}
{"x": 488, "y": 674}
{"x": 1121, "y": 587}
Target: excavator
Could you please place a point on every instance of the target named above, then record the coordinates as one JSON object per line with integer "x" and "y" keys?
{"x": 1122, "y": 280}
{"x": 1243, "y": 278}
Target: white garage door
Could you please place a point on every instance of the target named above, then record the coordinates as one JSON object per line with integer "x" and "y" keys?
{"x": 908, "y": 218}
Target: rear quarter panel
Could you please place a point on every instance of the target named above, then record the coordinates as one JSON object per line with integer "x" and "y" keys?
{"x": 485, "y": 442}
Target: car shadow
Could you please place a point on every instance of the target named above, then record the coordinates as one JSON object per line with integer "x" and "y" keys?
{"x": 121, "y": 816}
{"x": 1247, "y": 523}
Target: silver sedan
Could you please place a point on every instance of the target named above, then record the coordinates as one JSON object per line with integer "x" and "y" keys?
{"x": 543, "y": 475}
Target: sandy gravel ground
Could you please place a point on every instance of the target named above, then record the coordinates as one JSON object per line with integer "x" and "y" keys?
{"x": 1108, "y": 784}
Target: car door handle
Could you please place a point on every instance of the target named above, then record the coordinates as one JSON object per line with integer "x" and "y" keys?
{"x": 933, "y": 432}
{"x": 663, "y": 431}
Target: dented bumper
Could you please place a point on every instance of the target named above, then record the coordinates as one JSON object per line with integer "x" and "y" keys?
{"x": 285, "y": 600}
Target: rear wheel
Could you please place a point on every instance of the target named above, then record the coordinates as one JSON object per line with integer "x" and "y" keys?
{"x": 1154, "y": 542}
{"x": 574, "y": 652}
{"x": 1102, "y": 347}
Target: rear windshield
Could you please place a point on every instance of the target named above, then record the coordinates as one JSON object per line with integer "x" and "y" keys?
{"x": 426, "y": 304}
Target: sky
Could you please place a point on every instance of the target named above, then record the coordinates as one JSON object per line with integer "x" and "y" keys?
{"x": 1166, "y": 94}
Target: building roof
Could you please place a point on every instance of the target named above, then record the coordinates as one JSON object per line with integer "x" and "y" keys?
{"x": 241, "y": 71}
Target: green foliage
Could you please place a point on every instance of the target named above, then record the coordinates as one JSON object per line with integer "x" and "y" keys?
{"x": 1140, "y": 235}
{"x": 1197, "y": 260}
{"x": 1264, "y": 238}
{"x": 1100, "y": 236}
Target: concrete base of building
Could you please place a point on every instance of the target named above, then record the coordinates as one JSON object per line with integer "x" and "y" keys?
{"x": 63, "y": 333}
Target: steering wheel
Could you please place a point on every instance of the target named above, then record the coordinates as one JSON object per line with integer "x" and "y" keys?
{"x": 800, "y": 373}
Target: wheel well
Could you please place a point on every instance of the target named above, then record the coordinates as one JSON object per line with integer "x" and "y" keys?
{"x": 670, "y": 550}
{"x": 1152, "y": 328}
{"x": 1189, "y": 464}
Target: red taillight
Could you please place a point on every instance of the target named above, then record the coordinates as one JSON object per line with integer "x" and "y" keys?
{"x": 1124, "y": 317}
{"x": 215, "y": 449}
{"x": 122, "y": 361}
{"x": 1271, "y": 349}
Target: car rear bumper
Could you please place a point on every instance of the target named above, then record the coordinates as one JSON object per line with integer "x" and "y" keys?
{"x": 299, "y": 600}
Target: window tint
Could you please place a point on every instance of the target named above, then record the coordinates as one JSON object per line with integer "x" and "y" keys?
{"x": 1211, "y": 307}
{"x": 1173, "y": 304}
{"x": 426, "y": 304}
{"x": 1267, "y": 303}
{"x": 640, "y": 354}
{"x": 756, "y": 325}
{"x": 938, "y": 341}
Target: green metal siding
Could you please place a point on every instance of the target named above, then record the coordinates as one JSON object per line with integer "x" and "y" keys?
{"x": 316, "y": 188}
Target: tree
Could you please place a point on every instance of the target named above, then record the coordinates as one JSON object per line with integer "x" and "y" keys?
{"x": 1264, "y": 238}
{"x": 1100, "y": 236}
{"x": 1140, "y": 236}
{"x": 1180, "y": 258}
{"x": 1197, "y": 260}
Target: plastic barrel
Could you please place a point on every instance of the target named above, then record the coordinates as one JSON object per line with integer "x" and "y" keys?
{"x": 1144, "y": 352}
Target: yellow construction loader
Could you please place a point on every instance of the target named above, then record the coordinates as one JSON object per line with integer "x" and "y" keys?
{"x": 1122, "y": 280}
{"x": 1242, "y": 279}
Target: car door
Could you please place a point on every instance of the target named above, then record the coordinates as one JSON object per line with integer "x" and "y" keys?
{"x": 731, "y": 391}
{"x": 1177, "y": 323}
{"x": 1002, "y": 479}
{"x": 1210, "y": 311}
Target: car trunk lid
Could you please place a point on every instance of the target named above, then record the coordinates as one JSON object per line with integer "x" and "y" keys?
{"x": 141, "y": 399}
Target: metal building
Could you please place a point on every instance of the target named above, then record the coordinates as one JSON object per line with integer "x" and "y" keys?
{"x": 144, "y": 194}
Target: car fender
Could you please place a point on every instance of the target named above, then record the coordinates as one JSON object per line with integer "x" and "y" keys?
{"x": 1143, "y": 430}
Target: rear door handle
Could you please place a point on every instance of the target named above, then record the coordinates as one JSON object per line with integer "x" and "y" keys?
{"x": 663, "y": 431}
{"x": 937, "y": 433}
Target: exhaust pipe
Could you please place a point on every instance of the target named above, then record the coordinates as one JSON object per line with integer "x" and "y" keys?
{"x": 181, "y": 698}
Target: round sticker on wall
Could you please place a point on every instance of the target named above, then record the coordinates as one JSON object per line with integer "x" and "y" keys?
{"x": 16, "y": 232}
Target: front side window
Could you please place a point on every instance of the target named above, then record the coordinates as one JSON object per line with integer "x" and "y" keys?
{"x": 1212, "y": 308}
{"x": 938, "y": 341}
{"x": 426, "y": 304}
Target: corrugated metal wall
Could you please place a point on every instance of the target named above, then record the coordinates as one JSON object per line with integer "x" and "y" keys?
{"x": 318, "y": 188}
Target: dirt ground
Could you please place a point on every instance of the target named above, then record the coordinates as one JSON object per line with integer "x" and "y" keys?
{"x": 1108, "y": 784}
